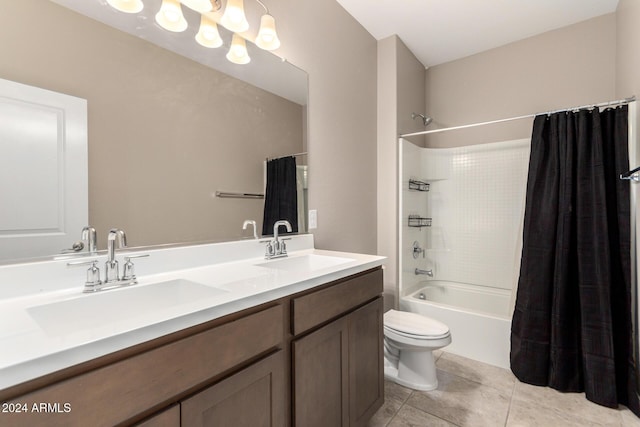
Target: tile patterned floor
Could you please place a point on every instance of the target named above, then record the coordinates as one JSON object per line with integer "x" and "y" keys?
{"x": 475, "y": 394}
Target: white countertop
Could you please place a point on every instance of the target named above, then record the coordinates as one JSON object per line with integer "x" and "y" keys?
{"x": 34, "y": 345}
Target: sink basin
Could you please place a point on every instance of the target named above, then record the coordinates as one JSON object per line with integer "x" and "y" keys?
{"x": 119, "y": 305}
{"x": 310, "y": 262}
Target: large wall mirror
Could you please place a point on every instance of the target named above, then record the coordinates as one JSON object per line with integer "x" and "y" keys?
{"x": 170, "y": 123}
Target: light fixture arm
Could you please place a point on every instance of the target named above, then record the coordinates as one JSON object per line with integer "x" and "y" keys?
{"x": 263, "y": 5}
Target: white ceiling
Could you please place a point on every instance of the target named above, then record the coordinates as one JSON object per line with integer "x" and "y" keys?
{"x": 439, "y": 31}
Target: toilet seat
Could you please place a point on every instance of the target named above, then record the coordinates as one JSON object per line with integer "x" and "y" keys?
{"x": 417, "y": 337}
{"x": 414, "y": 326}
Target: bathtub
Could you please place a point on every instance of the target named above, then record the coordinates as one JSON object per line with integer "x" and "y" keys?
{"x": 479, "y": 318}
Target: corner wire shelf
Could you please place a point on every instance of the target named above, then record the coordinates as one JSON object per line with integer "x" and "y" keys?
{"x": 418, "y": 221}
{"x": 414, "y": 184}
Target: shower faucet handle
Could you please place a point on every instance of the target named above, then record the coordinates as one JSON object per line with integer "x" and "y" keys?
{"x": 417, "y": 249}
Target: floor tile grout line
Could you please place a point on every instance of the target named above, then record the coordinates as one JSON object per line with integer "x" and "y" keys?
{"x": 395, "y": 413}
{"x": 473, "y": 381}
{"x": 501, "y": 390}
{"x": 469, "y": 379}
{"x": 465, "y": 379}
{"x": 427, "y": 412}
{"x": 433, "y": 415}
{"x": 402, "y": 403}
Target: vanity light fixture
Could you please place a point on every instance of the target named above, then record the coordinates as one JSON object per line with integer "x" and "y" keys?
{"x": 127, "y": 6}
{"x": 238, "y": 51}
{"x": 170, "y": 16}
{"x": 200, "y": 6}
{"x": 208, "y": 35}
{"x": 234, "y": 18}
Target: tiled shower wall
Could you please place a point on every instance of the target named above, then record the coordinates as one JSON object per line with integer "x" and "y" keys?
{"x": 476, "y": 202}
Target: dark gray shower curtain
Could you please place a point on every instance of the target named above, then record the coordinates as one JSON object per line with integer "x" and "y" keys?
{"x": 281, "y": 196}
{"x": 572, "y": 324}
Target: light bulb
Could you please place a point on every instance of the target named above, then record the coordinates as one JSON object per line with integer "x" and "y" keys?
{"x": 208, "y": 35}
{"x": 170, "y": 16}
{"x": 127, "y": 6}
{"x": 233, "y": 18}
{"x": 267, "y": 38}
{"x": 238, "y": 51}
{"x": 201, "y": 6}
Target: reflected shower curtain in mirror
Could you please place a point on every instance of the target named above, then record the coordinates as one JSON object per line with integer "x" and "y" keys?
{"x": 281, "y": 197}
{"x": 572, "y": 323}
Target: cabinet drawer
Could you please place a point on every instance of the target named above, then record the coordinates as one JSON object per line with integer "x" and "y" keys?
{"x": 318, "y": 307}
{"x": 126, "y": 389}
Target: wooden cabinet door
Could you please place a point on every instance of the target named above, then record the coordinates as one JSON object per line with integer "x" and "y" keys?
{"x": 254, "y": 397}
{"x": 366, "y": 362}
{"x": 338, "y": 371}
{"x": 320, "y": 377}
{"x": 167, "y": 418}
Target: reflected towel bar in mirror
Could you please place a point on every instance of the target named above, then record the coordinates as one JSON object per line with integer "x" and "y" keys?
{"x": 229, "y": 195}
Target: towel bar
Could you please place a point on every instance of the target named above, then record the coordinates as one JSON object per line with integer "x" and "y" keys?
{"x": 229, "y": 195}
{"x": 632, "y": 175}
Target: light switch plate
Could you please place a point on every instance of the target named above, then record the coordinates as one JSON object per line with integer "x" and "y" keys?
{"x": 313, "y": 219}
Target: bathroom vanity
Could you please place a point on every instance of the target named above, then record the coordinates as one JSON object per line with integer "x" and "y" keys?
{"x": 293, "y": 341}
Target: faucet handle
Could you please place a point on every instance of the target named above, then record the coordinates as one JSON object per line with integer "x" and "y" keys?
{"x": 75, "y": 248}
{"x": 269, "y": 250}
{"x": 129, "y": 268}
{"x": 93, "y": 273}
{"x": 417, "y": 249}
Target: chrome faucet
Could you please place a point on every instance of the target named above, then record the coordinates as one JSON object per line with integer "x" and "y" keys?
{"x": 87, "y": 240}
{"x": 251, "y": 222}
{"x": 116, "y": 236}
{"x": 112, "y": 278}
{"x": 89, "y": 236}
{"x": 425, "y": 272}
{"x": 277, "y": 248}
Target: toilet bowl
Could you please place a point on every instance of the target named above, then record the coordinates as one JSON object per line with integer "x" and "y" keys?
{"x": 409, "y": 341}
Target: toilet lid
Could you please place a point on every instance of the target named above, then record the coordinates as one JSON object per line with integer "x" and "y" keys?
{"x": 414, "y": 324}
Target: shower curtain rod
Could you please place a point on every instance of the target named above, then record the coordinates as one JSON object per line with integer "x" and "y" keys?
{"x": 602, "y": 104}
{"x": 304, "y": 153}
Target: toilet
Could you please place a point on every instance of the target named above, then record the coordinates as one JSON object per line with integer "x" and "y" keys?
{"x": 409, "y": 341}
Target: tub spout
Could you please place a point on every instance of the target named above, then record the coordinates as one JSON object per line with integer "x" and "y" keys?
{"x": 425, "y": 272}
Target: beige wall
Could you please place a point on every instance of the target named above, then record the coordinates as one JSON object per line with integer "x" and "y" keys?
{"x": 164, "y": 132}
{"x": 401, "y": 80}
{"x": 386, "y": 169}
{"x": 340, "y": 57}
{"x": 571, "y": 66}
{"x": 628, "y": 49}
{"x": 411, "y": 89}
